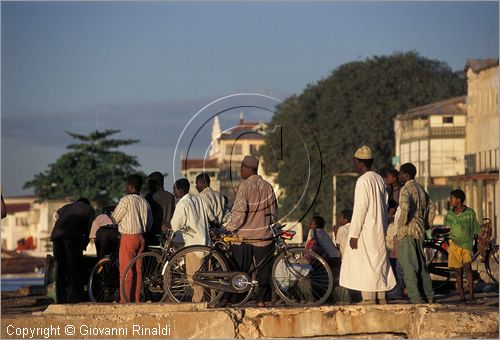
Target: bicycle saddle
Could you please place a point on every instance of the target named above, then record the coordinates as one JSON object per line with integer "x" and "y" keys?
{"x": 440, "y": 231}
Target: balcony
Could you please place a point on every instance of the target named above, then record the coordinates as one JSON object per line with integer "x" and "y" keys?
{"x": 414, "y": 133}
{"x": 448, "y": 131}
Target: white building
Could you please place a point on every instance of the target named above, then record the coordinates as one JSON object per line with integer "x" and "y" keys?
{"x": 480, "y": 179}
{"x": 432, "y": 137}
{"x": 28, "y": 219}
{"x": 228, "y": 147}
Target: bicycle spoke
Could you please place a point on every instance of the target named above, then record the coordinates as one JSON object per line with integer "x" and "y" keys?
{"x": 104, "y": 282}
{"x": 492, "y": 263}
{"x": 180, "y": 287}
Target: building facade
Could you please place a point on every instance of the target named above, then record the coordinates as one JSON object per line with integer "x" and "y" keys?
{"x": 432, "y": 137}
{"x": 190, "y": 168}
{"x": 227, "y": 150}
{"x": 28, "y": 224}
{"x": 480, "y": 178}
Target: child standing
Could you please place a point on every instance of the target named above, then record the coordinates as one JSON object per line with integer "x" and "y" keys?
{"x": 463, "y": 226}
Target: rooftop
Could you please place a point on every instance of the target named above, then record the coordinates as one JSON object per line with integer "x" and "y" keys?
{"x": 478, "y": 65}
{"x": 246, "y": 130}
{"x": 451, "y": 106}
{"x": 187, "y": 164}
{"x": 13, "y": 208}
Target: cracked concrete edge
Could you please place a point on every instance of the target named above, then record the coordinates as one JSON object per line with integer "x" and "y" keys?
{"x": 117, "y": 308}
{"x": 249, "y": 323}
{"x": 236, "y": 316}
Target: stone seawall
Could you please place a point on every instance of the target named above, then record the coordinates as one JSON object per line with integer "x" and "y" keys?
{"x": 109, "y": 321}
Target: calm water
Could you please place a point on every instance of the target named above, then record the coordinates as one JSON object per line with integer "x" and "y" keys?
{"x": 12, "y": 282}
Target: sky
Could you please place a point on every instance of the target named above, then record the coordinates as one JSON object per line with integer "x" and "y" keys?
{"x": 147, "y": 68}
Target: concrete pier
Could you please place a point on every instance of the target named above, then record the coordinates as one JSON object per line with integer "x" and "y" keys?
{"x": 446, "y": 319}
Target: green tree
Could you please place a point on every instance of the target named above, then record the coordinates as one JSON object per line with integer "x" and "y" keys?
{"x": 93, "y": 169}
{"x": 355, "y": 105}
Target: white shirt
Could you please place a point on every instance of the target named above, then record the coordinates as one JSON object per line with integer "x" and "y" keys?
{"x": 99, "y": 221}
{"x": 214, "y": 204}
{"x": 133, "y": 215}
{"x": 190, "y": 214}
{"x": 341, "y": 239}
{"x": 367, "y": 268}
{"x": 324, "y": 242}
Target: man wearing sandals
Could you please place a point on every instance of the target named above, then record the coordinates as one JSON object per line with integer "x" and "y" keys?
{"x": 254, "y": 210}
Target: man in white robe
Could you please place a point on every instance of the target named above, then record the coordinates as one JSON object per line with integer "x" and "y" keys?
{"x": 365, "y": 264}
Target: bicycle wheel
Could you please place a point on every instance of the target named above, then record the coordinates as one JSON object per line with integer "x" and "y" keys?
{"x": 302, "y": 278}
{"x": 437, "y": 264}
{"x": 152, "y": 280}
{"x": 104, "y": 281}
{"x": 492, "y": 263}
{"x": 179, "y": 287}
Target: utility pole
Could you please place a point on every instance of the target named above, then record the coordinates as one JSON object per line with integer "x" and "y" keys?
{"x": 334, "y": 192}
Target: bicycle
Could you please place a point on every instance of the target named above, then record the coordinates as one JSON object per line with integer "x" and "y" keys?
{"x": 436, "y": 252}
{"x": 299, "y": 277}
{"x": 104, "y": 279}
{"x": 152, "y": 262}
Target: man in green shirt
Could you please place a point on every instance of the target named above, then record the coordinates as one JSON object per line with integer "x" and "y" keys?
{"x": 463, "y": 226}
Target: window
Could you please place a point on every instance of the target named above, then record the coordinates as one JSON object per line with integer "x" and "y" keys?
{"x": 233, "y": 148}
{"x": 237, "y": 149}
{"x": 447, "y": 120}
{"x": 253, "y": 149}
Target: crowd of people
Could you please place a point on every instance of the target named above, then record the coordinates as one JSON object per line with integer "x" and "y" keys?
{"x": 375, "y": 250}
{"x": 381, "y": 239}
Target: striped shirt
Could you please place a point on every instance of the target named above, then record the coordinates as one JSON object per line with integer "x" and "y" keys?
{"x": 254, "y": 210}
{"x": 133, "y": 215}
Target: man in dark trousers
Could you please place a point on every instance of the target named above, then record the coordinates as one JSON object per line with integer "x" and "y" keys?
{"x": 70, "y": 237}
{"x": 254, "y": 210}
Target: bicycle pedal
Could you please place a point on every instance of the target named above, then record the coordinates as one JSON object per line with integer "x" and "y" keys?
{"x": 156, "y": 289}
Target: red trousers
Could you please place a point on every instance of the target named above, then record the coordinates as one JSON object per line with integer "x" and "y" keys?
{"x": 130, "y": 247}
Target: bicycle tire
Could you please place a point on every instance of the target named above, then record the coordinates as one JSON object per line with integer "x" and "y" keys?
{"x": 492, "y": 263}
{"x": 152, "y": 280}
{"x": 104, "y": 281}
{"x": 177, "y": 286}
{"x": 302, "y": 278}
{"x": 437, "y": 264}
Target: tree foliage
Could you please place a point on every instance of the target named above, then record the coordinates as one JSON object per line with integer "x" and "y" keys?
{"x": 355, "y": 105}
{"x": 92, "y": 168}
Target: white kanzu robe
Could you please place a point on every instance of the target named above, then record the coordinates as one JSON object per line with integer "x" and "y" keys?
{"x": 367, "y": 268}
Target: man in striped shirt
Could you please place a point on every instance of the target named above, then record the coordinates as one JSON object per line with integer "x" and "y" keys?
{"x": 134, "y": 218}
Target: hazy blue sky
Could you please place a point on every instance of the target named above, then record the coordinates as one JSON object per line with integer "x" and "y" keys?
{"x": 147, "y": 68}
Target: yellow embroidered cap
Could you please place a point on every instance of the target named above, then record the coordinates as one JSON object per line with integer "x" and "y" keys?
{"x": 363, "y": 152}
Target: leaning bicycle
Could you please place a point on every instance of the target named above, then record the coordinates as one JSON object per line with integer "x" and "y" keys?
{"x": 299, "y": 277}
